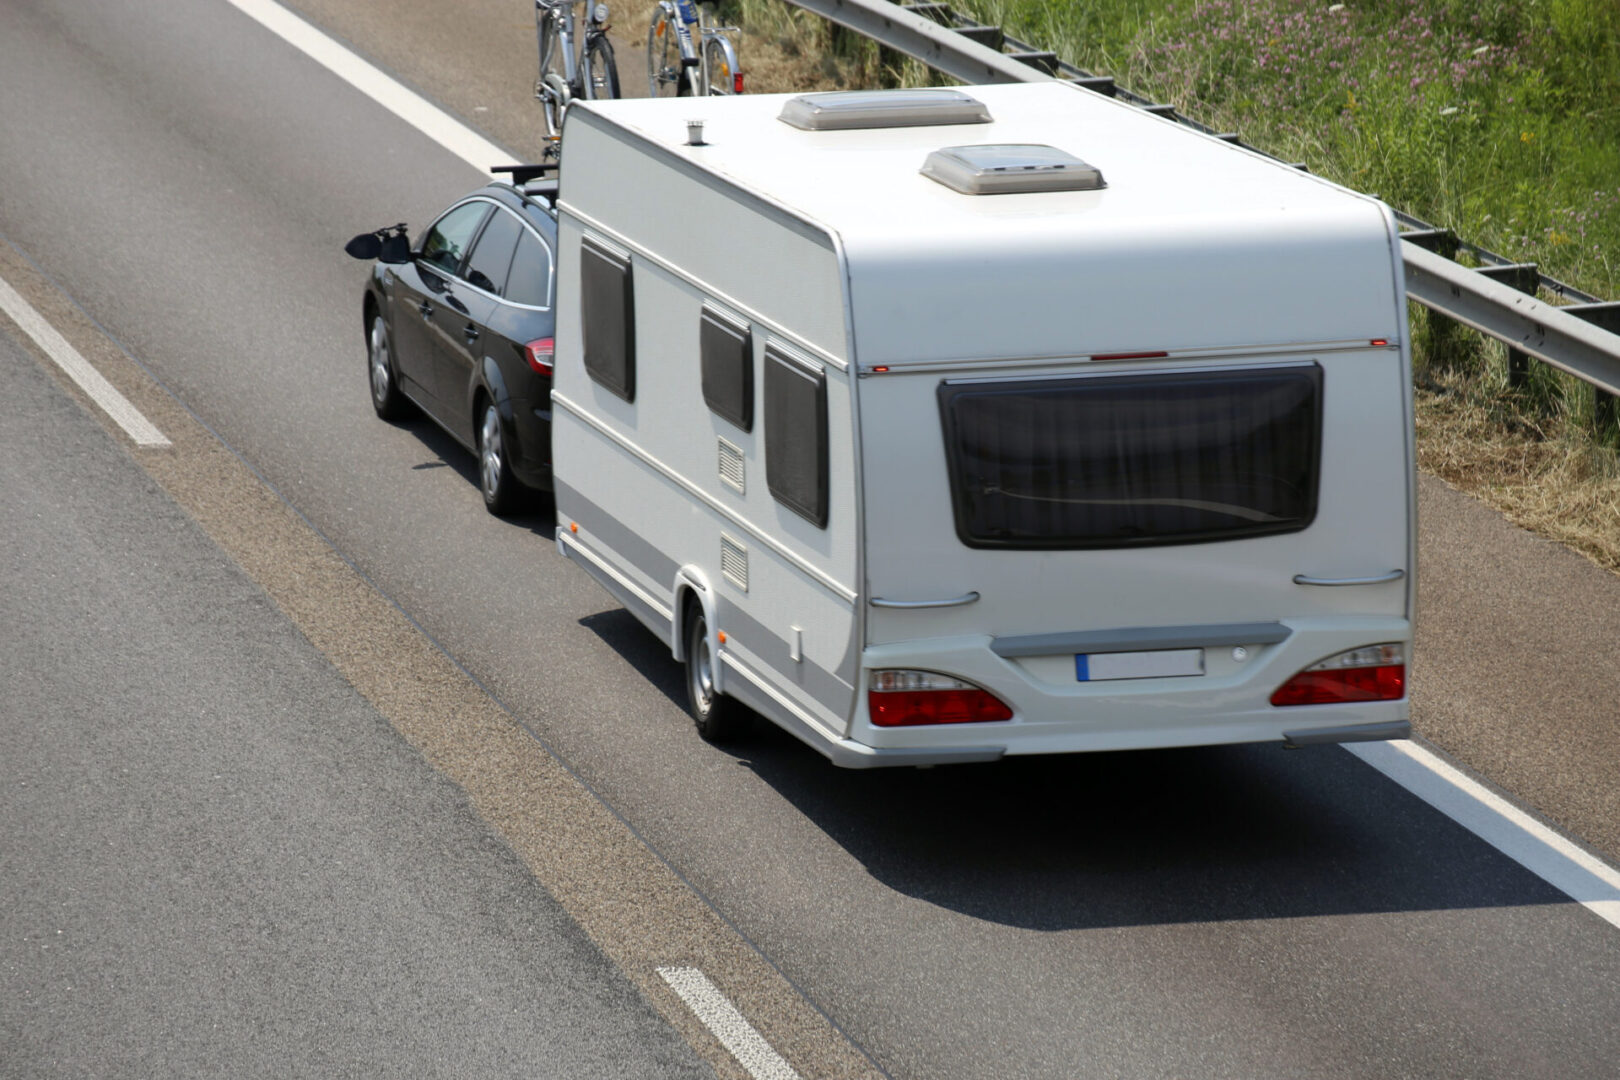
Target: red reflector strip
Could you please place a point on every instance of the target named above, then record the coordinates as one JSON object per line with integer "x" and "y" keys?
{"x": 736, "y": 83}
{"x": 1386, "y": 683}
{"x": 1129, "y": 356}
{"x": 911, "y": 708}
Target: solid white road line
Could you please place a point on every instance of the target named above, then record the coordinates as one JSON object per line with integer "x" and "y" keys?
{"x": 720, "y": 1016}
{"x": 1492, "y": 818}
{"x": 385, "y": 90}
{"x": 1586, "y": 878}
{"x": 77, "y": 368}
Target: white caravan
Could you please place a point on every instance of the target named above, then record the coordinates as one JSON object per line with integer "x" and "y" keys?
{"x": 942, "y": 425}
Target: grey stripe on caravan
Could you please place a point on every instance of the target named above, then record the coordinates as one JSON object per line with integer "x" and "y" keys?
{"x": 625, "y": 542}
{"x": 826, "y": 689}
{"x": 821, "y": 578}
{"x": 823, "y": 687}
{"x": 1141, "y": 637}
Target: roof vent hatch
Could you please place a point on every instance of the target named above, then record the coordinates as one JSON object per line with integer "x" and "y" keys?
{"x": 1010, "y": 168}
{"x": 846, "y": 109}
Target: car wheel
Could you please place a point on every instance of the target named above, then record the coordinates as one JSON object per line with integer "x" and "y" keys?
{"x": 501, "y": 495}
{"x": 386, "y": 399}
{"x": 719, "y": 719}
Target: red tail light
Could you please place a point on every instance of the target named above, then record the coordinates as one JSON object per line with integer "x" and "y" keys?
{"x": 914, "y": 698}
{"x": 736, "y": 83}
{"x": 1374, "y": 673}
{"x": 539, "y": 354}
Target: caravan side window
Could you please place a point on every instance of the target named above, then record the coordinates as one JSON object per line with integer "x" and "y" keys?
{"x": 796, "y": 436}
{"x": 728, "y": 368}
{"x": 608, "y": 314}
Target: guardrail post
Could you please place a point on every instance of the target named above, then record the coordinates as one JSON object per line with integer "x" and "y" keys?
{"x": 1525, "y": 277}
{"x": 1605, "y": 415}
{"x": 1446, "y": 346}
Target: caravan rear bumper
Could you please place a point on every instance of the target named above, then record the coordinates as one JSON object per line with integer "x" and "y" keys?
{"x": 1055, "y": 712}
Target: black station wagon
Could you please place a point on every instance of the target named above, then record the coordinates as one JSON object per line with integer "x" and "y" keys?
{"x": 459, "y": 325}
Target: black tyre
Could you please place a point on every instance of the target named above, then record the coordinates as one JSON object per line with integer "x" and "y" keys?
{"x": 551, "y": 71}
{"x": 719, "y": 719}
{"x": 502, "y": 492}
{"x": 386, "y": 399}
{"x": 601, "y": 73}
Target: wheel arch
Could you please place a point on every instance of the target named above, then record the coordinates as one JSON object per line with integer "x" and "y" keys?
{"x": 691, "y": 587}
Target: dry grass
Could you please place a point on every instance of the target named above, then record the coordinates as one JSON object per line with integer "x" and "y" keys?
{"x": 1543, "y": 477}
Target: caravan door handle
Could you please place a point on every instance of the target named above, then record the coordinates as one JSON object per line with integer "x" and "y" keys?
{"x": 1377, "y": 579}
{"x": 955, "y": 601}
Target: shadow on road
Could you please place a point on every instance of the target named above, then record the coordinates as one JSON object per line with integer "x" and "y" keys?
{"x": 1128, "y": 839}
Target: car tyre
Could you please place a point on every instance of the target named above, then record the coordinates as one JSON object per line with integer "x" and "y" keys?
{"x": 719, "y": 719}
{"x": 386, "y": 398}
{"x": 500, "y": 487}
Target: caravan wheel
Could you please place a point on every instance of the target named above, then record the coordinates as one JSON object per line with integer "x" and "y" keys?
{"x": 718, "y": 718}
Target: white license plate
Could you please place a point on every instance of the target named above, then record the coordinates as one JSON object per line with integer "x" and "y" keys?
{"x": 1157, "y": 664}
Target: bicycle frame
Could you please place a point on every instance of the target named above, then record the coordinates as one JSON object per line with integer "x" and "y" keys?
{"x": 556, "y": 21}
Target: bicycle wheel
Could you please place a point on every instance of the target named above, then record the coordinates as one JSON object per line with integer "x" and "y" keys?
{"x": 552, "y": 69}
{"x": 601, "y": 76}
{"x": 665, "y": 77}
{"x": 720, "y": 64}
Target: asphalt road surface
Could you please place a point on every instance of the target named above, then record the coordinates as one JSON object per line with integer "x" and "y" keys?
{"x": 175, "y": 187}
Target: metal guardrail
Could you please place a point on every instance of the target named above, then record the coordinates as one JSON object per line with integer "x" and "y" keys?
{"x": 1497, "y": 299}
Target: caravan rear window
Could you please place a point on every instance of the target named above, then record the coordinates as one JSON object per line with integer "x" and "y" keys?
{"x": 1129, "y": 460}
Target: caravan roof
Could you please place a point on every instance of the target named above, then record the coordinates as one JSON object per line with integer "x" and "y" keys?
{"x": 1190, "y": 243}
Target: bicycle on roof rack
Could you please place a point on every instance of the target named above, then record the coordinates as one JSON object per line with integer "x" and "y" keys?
{"x": 687, "y": 57}
{"x": 572, "y": 65}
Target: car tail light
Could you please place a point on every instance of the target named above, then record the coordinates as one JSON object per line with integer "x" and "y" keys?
{"x": 539, "y": 353}
{"x": 736, "y": 83}
{"x": 1371, "y": 673}
{"x": 913, "y": 698}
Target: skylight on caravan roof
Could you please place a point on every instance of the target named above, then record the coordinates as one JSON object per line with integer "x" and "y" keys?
{"x": 1010, "y": 168}
{"x": 845, "y": 109}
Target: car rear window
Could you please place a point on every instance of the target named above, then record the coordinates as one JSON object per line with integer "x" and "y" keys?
{"x": 1127, "y": 460}
{"x": 530, "y": 280}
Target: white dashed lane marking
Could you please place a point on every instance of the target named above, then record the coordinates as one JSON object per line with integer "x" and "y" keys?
{"x": 77, "y": 368}
{"x": 733, "y": 1030}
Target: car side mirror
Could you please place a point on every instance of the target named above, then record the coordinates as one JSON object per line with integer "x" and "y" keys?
{"x": 365, "y": 246}
{"x": 388, "y": 244}
{"x": 395, "y": 249}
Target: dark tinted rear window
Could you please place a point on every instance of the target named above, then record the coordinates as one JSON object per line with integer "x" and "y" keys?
{"x": 1118, "y": 461}
{"x": 530, "y": 279}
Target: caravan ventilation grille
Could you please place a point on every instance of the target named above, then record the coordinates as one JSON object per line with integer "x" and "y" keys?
{"x": 732, "y": 465}
{"x": 1010, "y": 168}
{"x": 734, "y": 562}
{"x": 843, "y": 110}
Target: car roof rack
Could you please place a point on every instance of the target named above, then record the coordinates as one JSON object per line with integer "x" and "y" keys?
{"x": 522, "y": 174}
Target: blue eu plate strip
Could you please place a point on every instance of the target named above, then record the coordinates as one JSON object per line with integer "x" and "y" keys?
{"x": 1082, "y": 670}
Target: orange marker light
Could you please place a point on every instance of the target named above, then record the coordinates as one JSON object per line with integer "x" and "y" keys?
{"x": 722, "y": 636}
{"x": 1380, "y": 342}
{"x": 573, "y": 526}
